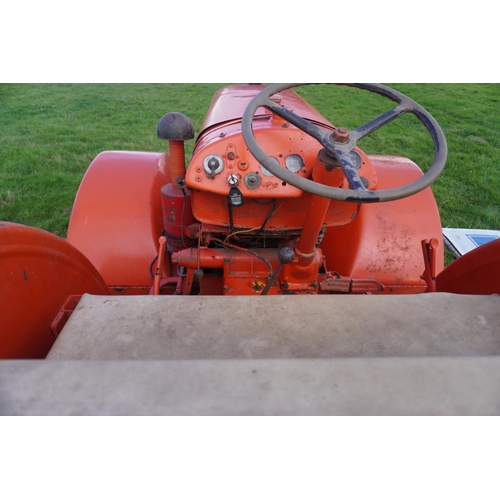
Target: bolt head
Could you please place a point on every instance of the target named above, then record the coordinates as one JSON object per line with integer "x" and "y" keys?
{"x": 340, "y": 135}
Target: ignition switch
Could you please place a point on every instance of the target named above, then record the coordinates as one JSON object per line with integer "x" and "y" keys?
{"x": 233, "y": 180}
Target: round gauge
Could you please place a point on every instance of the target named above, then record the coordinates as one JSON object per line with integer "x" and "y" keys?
{"x": 266, "y": 172}
{"x": 356, "y": 159}
{"x": 294, "y": 163}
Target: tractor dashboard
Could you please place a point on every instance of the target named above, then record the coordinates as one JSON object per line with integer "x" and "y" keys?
{"x": 223, "y": 172}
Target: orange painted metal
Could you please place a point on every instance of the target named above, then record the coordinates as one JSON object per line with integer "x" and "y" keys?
{"x": 39, "y": 272}
{"x": 477, "y": 272}
{"x": 177, "y": 216}
{"x": 378, "y": 244}
{"x": 209, "y": 196}
{"x": 302, "y": 276}
{"x": 117, "y": 216}
{"x": 316, "y": 211}
{"x": 384, "y": 242}
{"x": 213, "y": 209}
{"x": 177, "y": 161}
{"x": 430, "y": 250}
{"x": 64, "y": 314}
{"x": 243, "y": 273}
{"x": 162, "y": 241}
{"x": 229, "y": 103}
{"x": 221, "y": 136}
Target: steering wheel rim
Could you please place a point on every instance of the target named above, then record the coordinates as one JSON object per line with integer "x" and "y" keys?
{"x": 357, "y": 192}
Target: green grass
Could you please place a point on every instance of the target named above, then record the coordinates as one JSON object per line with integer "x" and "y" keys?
{"x": 50, "y": 133}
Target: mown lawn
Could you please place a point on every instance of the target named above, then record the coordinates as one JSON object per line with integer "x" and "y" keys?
{"x": 49, "y": 134}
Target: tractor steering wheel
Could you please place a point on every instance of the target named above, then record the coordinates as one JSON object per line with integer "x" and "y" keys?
{"x": 340, "y": 143}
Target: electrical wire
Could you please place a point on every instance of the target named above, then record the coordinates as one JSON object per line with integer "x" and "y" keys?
{"x": 271, "y": 214}
{"x": 259, "y": 229}
{"x": 153, "y": 262}
{"x": 241, "y": 232}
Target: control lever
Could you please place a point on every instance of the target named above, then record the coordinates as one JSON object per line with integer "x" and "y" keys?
{"x": 286, "y": 255}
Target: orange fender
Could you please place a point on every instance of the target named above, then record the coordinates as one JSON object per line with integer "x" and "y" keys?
{"x": 117, "y": 215}
{"x": 477, "y": 272}
{"x": 384, "y": 241}
{"x": 38, "y": 272}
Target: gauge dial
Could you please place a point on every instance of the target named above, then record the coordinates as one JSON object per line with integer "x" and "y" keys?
{"x": 356, "y": 159}
{"x": 294, "y": 163}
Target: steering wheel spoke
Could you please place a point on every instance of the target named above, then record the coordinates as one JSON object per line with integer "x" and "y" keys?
{"x": 377, "y": 123}
{"x": 301, "y": 123}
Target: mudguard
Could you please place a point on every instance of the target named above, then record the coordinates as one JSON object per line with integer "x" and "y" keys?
{"x": 477, "y": 272}
{"x": 38, "y": 272}
{"x": 117, "y": 216}
{"x": 384, "y": 241}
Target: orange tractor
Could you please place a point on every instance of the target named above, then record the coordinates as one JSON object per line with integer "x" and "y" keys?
{"x": 169, "y": 263}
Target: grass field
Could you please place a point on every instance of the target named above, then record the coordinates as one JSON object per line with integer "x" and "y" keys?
{"x": 50, "y": 133}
